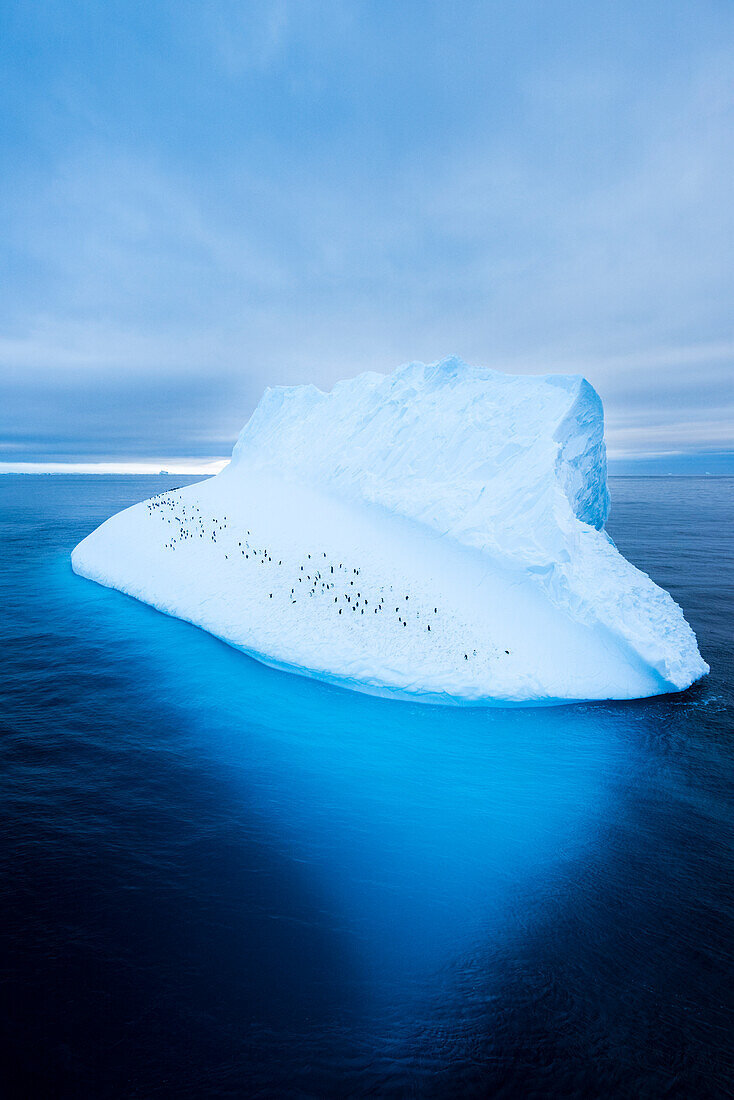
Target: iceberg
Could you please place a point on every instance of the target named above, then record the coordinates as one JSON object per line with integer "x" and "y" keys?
{"x": 436, "y": 534}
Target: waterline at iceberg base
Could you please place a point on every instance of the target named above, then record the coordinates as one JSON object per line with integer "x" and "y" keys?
{"x": 435, "y": 534}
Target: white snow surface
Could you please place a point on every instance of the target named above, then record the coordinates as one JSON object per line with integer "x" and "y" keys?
{"x": 434, "y": 534}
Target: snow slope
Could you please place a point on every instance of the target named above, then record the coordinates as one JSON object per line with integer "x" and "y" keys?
{"x": 434, "y": 534}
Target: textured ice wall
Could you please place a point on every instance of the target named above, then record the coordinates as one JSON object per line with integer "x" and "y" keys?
{"x": 473, "y": 453}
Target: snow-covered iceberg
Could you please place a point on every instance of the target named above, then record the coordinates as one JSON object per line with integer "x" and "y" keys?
{"x": 435, "y": 534}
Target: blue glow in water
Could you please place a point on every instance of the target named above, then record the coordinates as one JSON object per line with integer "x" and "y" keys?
{"x": 221, "y": 878}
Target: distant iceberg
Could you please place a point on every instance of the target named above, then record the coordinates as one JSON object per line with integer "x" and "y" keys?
{"x": 436, "y": 534}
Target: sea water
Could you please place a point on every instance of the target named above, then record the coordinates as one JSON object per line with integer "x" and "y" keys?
{"x": 222, "y": 880}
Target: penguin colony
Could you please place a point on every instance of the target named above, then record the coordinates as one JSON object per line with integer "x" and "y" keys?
{"x": 316, "y": 577}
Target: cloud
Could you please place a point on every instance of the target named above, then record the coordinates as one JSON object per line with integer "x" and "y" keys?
{"x": 248, "y": 38}
{"x": 285, "y": 193}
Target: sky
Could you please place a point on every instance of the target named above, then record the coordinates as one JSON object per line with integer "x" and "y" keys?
{"x": 199, "y": 200}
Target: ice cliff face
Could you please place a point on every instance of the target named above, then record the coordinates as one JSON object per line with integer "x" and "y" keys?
{"x": 480, "y": 456}
{"x": 481, "y": 492}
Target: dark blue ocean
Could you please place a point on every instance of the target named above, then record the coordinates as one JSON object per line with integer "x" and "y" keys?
{"x": 220, "y": 880}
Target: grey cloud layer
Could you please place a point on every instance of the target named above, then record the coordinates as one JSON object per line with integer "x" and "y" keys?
{"x": 574, "y": 221}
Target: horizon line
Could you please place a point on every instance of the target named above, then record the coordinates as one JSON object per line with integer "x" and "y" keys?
{"x": 212, "y": 467}
{"x": 161, "y": 467}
